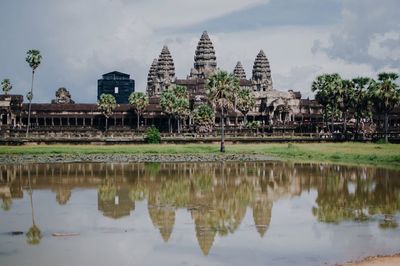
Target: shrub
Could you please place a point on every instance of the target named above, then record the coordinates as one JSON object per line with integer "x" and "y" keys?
{"x": 153, "y": 135}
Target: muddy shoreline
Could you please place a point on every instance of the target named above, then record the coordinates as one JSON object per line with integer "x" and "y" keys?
{"x": 382, "y": 260}
{"x": 131, "y": 158}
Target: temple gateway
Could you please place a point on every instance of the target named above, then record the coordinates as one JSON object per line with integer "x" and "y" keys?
{"x": 277, "y": 111}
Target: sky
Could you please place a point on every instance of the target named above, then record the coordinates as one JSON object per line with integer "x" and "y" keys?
{"x": 81, "y": 40}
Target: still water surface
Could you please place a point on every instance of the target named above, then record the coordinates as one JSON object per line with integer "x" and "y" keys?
{"x": 270, "y": 213}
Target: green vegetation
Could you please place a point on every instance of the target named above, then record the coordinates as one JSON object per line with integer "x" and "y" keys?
{"x": 349, "y": 153}
{"x": 107, "y": 104}
{"x": 342, "y": 99}
{"x": 153, "y": 135}
{"x": 6, "y": 86}
{"x": 139, "y": 102}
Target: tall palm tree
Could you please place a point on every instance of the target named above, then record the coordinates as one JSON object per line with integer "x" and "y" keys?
{"x": 361, "y": 106}
{"x": 347, "y": 101}
{"x": 33, "y": 58}
{"x": 6, "y": 86}
{"x": 221, "y": 89}
{"x": 386, "y": 95}
{"x": 139, "y": 102}
{"x": 33, "y": 235}
{"x": 107, "y": 104}
{"x": 167, "y": 102}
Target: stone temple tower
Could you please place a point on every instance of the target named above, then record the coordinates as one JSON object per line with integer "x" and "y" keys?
{"x": 261, "y": 79}
{"x": 151, "y": 78}
{"x": 239, "y": 71}
{"x": 205, "y": 61}
{"x": 164, "y": 74}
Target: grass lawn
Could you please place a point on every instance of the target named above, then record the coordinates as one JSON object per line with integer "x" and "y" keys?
{"x": 350, "y": 153}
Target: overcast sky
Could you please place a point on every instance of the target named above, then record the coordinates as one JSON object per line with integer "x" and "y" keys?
{"x": 81, "y": 40}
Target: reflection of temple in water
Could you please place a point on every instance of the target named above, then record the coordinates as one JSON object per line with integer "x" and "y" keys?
{"x": 215, "y": 195}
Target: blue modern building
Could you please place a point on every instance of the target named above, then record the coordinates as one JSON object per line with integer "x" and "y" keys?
{"x": 117, "y": 84}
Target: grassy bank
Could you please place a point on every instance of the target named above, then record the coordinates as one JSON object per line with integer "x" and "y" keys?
{"x": 349, "y": 153}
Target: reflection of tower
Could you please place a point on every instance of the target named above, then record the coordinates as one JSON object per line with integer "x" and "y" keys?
{"x": 205, "y": 229}
{"x": 115, "y": 204}
{"x": 162, "y": 217}
{"x": 262, "y": 215}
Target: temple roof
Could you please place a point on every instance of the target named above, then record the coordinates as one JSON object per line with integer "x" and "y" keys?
{"x": 205, "y": 60}
{"x": 261, "y": 68}
{"x": 239, "y": 71}
{"x": 165, "y": 64}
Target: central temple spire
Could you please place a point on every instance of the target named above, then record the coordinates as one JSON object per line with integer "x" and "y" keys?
{"x": 205, "y": 61}
{"x": 262, "y": 80}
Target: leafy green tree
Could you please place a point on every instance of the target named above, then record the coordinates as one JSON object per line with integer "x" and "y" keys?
{"x": 139, "y": 102}
{"x": 245, "y": 102}
{"x": 33, "y": 58}
{"x": 361, "y": 107}
{"x": 6, "y": 86}
{"x": 385, "y": 95}
{"x": 221, "y": 89}
{"x": 107, "y": 105}
{"x": 181, "y": 106}
{"x": 181, "y": 110}
{"x": 175, "y": 103}
{"x": 204, "y": 118}
{"x": 328, "y": 93}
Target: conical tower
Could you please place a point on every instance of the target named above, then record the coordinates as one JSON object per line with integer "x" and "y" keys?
{"x": 261, "y": 79}
{"x": 165, "y": 71}
{"x": 239, "y": 71}
{"x": 205, "y": 61}
{"x": 151, "y": 78}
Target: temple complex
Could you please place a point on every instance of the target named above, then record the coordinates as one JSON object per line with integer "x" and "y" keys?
{"x": 275, "y": 110}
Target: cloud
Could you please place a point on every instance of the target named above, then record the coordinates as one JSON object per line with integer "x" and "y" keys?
{"x": 359, "y": 37}
{"x": 81, "y": 40}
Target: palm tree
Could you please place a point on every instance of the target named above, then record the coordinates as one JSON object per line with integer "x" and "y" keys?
{"x": 167, "y": 102}
{"x": 33, "y": 58}
{"x": 181, "y": 110}
{"x": 245, "y": 102}
{"x": 221, "y": 90}
{"x": 328, "y": 93}
{"x": 386, "y": 95}
{"x": 107, "y": 104}
{"x": 181, "y": 104}
{"x": 6, "y": 86}
{"x": 139, "y": 102}
{"x": 33, "y": 235}
{"x": 361, "y": 106}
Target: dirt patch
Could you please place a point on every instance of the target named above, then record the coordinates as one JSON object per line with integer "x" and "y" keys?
{"x": 393, "y": 260}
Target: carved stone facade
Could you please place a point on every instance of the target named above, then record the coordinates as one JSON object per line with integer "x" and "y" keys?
{"x": 205, "y": 61}
{"x": 275, "y": 106}
{"x": 162, "y": 74}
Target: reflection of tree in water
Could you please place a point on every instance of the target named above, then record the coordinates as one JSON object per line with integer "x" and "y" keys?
{"x": 33, "y": 236}
{"x": 374, "y": 194}
{"x": 6, "y": 203}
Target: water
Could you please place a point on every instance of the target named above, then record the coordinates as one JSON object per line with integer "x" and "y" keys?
{"x": 270, "y": 213}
